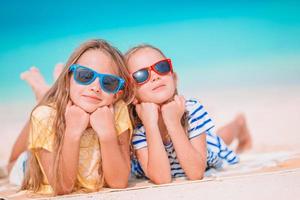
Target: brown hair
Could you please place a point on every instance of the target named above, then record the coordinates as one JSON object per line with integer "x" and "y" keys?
{"x": 58, "y": 97}
{"x": 133, "y": 115}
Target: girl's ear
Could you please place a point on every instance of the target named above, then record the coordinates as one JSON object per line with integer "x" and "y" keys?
{"x": 175, "y": 78}
{"x": 135, "y": 101}
{"x": 118, "y": 94}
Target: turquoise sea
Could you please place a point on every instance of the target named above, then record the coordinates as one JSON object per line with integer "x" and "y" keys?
{"x": 212, "y": 44}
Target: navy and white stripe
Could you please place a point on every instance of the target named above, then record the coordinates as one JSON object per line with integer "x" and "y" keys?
{"x": 198, "y": 123}
{"x": 198, "y": 118}
{"x": 217, "y": 145}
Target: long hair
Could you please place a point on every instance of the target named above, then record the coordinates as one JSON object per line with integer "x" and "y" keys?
{"x": 133, "y": 114}
{"x": 58, "y": 97}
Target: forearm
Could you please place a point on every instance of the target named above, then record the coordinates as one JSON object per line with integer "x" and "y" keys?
{"x": 192, "y": 161}
{"x": 115, "y": 163}
{"x": 68, "y": 164}
{"x": 158, "y": 165}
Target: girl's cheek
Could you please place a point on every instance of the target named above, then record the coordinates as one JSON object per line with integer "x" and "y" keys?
{"x": 139, "y": 92}
{"x": 75, "y": 91}
{"x": 142, "y": 91}
{"x": 73, "y": 96}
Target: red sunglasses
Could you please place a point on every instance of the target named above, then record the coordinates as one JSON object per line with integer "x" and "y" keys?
{"x": 162, "y": 67}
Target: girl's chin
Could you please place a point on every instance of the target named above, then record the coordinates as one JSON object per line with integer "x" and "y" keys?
{"x": 162, "y": 100}
{"x": 89, "y": 108}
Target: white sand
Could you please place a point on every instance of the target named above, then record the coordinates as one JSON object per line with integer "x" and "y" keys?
{"x": 278, "y": 185}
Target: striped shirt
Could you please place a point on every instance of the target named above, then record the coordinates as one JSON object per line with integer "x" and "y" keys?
{"x": 198, "y": 123}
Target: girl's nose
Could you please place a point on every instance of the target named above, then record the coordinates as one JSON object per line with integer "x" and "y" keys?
{"x": 154, "y": 76}
{"x": 95, "y": 86}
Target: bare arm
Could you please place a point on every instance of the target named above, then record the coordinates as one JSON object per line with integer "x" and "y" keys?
{"x": 191, "y": 154}
{"x": 154, "y": 159}
{"x": 114, "y": 153}
{"x": 68, "y": 162}
{"x": 124, "y": 143}
{"x": 76, "y": 122}
{"x": 116, "y": 159}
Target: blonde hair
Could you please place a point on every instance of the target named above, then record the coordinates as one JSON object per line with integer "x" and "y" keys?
{"x": 58, "y": 97}
{"x": 133, "y": 115}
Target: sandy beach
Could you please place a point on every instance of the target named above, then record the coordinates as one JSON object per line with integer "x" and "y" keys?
{"x": 273, "y": 115}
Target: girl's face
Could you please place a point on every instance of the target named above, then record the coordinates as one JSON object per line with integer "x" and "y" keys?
{"x": 159, "y": 88}
{"x": 90, "y": 97}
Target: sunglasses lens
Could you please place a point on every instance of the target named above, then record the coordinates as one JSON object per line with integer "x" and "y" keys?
{"x": 163, "y": 67}
{"x": 110, "y": 83}
{"x": 141, "y": 76}
{"x": 84, "y": 75}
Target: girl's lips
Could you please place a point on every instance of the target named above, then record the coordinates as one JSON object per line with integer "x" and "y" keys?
{"x": 92, "y": 99}
{"x": 158, "y": 87}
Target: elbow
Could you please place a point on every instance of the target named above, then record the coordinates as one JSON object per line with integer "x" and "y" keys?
{"x": 63, "y": 191}
{"x": 119, "y": 182}
{"x": 197, "y": 174}
{"x": 160, "y": 175}
{"x": 159, "y": 180}
{"x": 118, "y": 185}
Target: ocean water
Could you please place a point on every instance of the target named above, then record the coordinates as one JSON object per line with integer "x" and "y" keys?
{"x": 217, "y": 44}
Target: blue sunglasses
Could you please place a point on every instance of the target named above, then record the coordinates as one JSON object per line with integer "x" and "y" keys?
{"x": 85, "y": 76}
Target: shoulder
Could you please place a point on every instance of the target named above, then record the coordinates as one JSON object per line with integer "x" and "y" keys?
{"x": 41, "y": 133}
{"x": 139, "y": 138}
{"x": 192, "y": 105}
{"x": 120, "y": 109}
{"x": 198, "y": 118}
{"x": 122, "y": 118}
{"x": 139, "y": 132}
{"x": 43, "y": 112}
{"x": 120, "y": 104}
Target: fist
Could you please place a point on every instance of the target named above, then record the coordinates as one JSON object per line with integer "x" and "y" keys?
{"x": 173, "y": 111}
{"x": 147, "y": 112}
{"x": 102, "y": 121}
{"x": 77, "y": 119}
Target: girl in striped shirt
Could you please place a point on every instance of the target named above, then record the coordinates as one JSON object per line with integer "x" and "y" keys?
{"x": 174, "y": 137}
